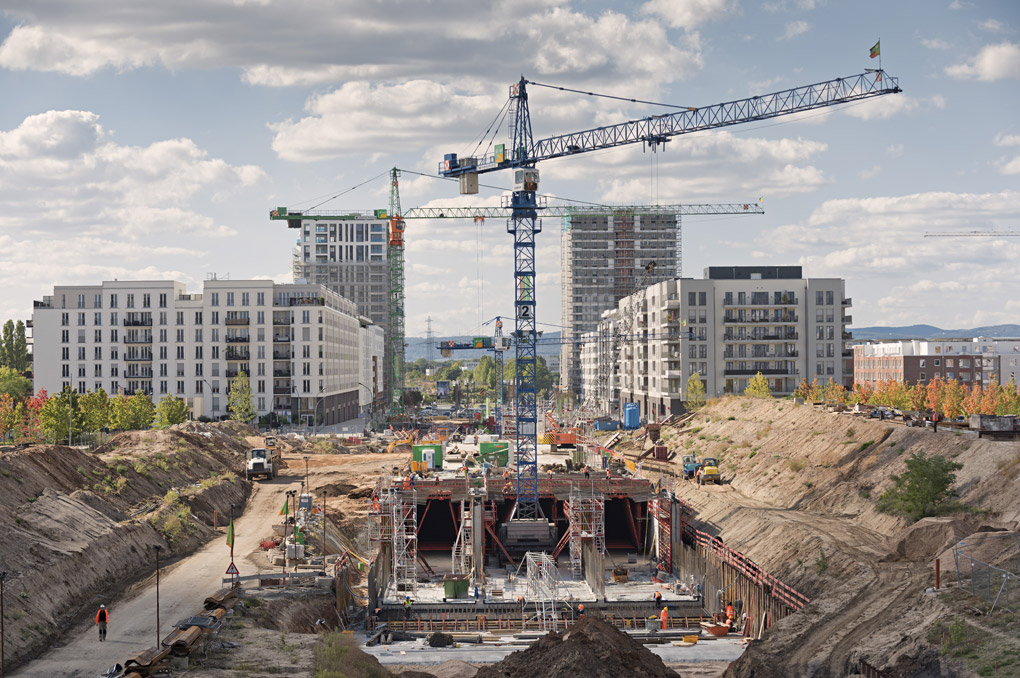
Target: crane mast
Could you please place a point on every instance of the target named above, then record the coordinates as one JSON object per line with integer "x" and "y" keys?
{"x": 525, "y": 204}
{"x": 395, "y": 258}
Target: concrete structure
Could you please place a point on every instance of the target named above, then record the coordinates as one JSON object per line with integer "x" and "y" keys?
{"x": 603, "y": 259}
{"x": 298, "y": 343}
{"x": 348, "y": 256}
{"x": 918, "y": 361}
{"x": 727, "y": 327}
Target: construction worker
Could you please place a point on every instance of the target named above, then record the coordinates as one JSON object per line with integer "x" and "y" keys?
{"x": 407, "y": 607}
{"x": 580, "y": 610}
{"x": 609, "y": 474}
{"x": 508, "y": 488}
{"x": 102, "y": 618}
{"x": 664, "y": 618}
{"x": 587, "y": 473}
{"x": 729, "y": 615}
{"x": 657, "y": 597}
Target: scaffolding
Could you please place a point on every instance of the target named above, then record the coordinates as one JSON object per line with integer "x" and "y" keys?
{"x": 543, "y": 588}
{"x": 587, "y": 514}
{"x": 462, "y": 545}
{"x": 662, "y": 509}
{"x": 404, "y": 516}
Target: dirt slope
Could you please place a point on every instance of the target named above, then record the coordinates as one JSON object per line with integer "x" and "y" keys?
{"x": 799, "y": 499}
{"x": 82, "y": 525}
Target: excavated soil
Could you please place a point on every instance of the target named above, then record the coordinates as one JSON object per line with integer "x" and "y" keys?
{"x": 82, "y": 524}
{"x": 589, "y": 648}
{"x": 798, "y": 497}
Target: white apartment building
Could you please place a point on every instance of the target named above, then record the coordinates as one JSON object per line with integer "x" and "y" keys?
{"x": 735, "y": 322}
{"x": 371, "y": 349}
{"x": 298, "y": 343}
{"x": 918, "y": 361}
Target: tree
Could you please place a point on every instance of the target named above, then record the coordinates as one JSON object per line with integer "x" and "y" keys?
{"x": 55, "y": 419}
{"x": 8, "y": 414}
{"x": 695, "y": 391}
{"x": 483, "y": 372}
{"x": 758, "y": 387}
{"x": 171, "y": 410}
{"x": 142, "y": 411}
{"x": 1009, "y": 399}
{"x": 923, "y": 489}
{"x": 19, "y": 351}
{"x": 12, "y": 383}
{"x": 95, "y": 408}
{"x": 7, "y": 344}
{"x": 239, "y": 403}
{"x": 28, "y": 427}
{"x": 952, "y": 399}
{"x": 972, "y": 402}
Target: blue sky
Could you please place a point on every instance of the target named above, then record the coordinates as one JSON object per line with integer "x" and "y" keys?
{"x": 151, "y": 140}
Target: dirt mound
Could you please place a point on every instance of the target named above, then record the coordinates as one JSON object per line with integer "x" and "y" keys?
{"x": 590, "y": 648}
{"x": 995, "y": 547}
{"x": 927, "y": 537}
{"x": 454, "y": 669}
{"x": 293, "y": 612}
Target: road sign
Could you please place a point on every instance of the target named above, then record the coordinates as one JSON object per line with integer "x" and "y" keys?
{"x": 232, "y": 569}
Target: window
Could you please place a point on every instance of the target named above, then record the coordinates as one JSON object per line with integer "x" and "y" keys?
{"x": 215, "y": 352}
{"x": 244, "y": 299}
{"x": 97, "y": 301}
{"x": 829, "y": 301}
{"x": 180, "y": 317}
{"x": 114, "y": 320}
{"x": 702, "y": 298}
{"x": 921, "y": 363}
{"x": 130, "y": 301}
{"x": 180, "y": 369}
{"x": 113, "y": 301}
{"x": 81, "y": 320}
{"x": 230, "y": 298}
{"x": 98, "y": 353}
{"x": 819, "y": 298}
{"x": 98, "y": 336}
{"x": 215, "y": 318}
{"x": 65, "y": 319}
{"x": 260, "y": 299}
{"x": 97, "y": 318}
{"x": 180, "y": 353}
{"x": 198, "y": 317}
{"x": 949, "y": 363}
{"x": 198, "y": 369}
{"x": 214, "y": 299}
{"x": 180, "y": 336}
{"x": 162, "y": 304}
{"x": 162, "y": 317}
{"x": 198, "y": 334}
{"x": 65, "y": 353}
{"x": 198, "y": 353}
{"x": 938, "y": 362}
{"x": 146, "y": 302}
{"x": 261, "y": 318}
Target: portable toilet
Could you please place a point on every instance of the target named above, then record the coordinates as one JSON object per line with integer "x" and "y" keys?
{"x": 631, "y": 416}
{"x": 429, "y": 456}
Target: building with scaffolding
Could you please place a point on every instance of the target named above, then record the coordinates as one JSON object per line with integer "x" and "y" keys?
{"x": 602, "y": 260}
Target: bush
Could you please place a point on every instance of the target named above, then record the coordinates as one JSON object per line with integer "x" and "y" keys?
{"x": 923, "y": 490}
{"x": 796, "y": 465}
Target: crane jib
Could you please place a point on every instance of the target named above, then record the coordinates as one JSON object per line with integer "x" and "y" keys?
{"x": 658, "y": 129}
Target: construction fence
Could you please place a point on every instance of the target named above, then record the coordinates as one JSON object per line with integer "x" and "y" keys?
{"x": 997, "y": 586}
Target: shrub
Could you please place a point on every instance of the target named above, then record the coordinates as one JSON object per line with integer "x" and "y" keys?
{"x": 850, "y": 432}
{"x": 923, "y": 490}
{"x": 865, "y": 445}
{"x": 796, "y": 465}
{"x": 822, "y": 562}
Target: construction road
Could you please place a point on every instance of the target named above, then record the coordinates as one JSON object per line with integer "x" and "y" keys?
{"x": 183, "y": 589}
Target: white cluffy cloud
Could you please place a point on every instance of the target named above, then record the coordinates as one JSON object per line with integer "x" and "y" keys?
{"x": 331, "y": 41}
{"x": 993, "y": 62}
{"x": 878, "y": 245}
{"x": 690, "y": 14}
{"x": 1009, "y": 166}
{"x": 76, "y": 206}
{"x": 795, "y": 28}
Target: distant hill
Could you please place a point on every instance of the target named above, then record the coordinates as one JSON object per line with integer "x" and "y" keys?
{"x": 932, "y": 332}
{"x": 417, "y": 347}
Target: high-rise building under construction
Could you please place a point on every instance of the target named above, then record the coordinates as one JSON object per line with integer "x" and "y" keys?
{"x": 604, "y": 258}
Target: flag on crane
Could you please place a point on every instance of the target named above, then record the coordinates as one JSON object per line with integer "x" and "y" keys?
{"x": 876, "y": 50}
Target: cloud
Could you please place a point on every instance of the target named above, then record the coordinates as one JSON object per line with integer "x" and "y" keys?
{"x": 895, "y": 150}
{"x": 873, "y": 171}
{"x": 332, "y": 41}
{"x": 877, "y": 244}
{"x": 935, "y": 43}
{"x": 992, "y": 26}
{"x": 1007, "y": 139}
{"x": 76, "y": 207}
{"x": 795, "y": 28}
{"x": 993, "y": 62}
{"x": 883, "y": 108}
{"x": 690, "y": 14}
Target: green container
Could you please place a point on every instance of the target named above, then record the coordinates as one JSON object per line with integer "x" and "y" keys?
{"x": 495, "y": 453}
{"x": 418, "y": 454}
{"x": 455, "y": 585}
{"x": 380, "y": 214}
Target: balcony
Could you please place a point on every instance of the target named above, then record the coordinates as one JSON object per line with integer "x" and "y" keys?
{"x": 848, "y": 320}
{"x": 750, "y": 371}
{"x": 282, "y": 355}
{"x": 785, "y": 300}
{"x": 233, "y": 354}
{"x": 144, "y": 374}
{"x": 282, "y": 338}
{"x": 138, "y": 357}
{"x": 143, "y": 322}
{"x": 236, "y": 321}
{"x": 316, "y": 301}
{"x": 847, "y": 336}
{"x": 282, "y": 390}
{"x": 243, "y": 339}
{"x": 848, "y": 354}
{"x": 282, "y": 373}
{"x": 281, "y": 322}
{"x": 144, "y": 339}
{"x": 47, "y": 302}
{"x": 848, "y": 302}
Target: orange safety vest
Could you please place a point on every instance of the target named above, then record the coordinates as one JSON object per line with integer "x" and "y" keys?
{"x": 664, "y": 617}
{"x": 105, "y": 615}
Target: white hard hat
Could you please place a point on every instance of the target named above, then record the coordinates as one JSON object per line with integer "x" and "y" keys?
{"x": 102, "y": 606}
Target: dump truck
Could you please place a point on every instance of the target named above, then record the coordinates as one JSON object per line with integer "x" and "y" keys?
{"x": 690, "y": 465}
{"x": 262, "y": 462}
{"x": 709, "y": 471}
{"x": 270, "y": 442}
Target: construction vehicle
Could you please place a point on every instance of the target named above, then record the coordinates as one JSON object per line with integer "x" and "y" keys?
{"x": 262, "y": 462}
{"x": 709, "y": 471}
{"x": 269, "y": 442}
{"x": 690, "y": 466}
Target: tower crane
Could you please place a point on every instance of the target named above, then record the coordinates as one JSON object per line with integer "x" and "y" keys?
{"x": 498, "y": 344}
{"x": 525, "y": 152}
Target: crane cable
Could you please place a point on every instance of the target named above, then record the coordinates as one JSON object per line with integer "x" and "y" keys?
{"x": 610, "y": 96}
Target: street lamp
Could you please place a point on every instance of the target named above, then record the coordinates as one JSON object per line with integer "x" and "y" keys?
{"x": 286, "y": 520}
{"x": 315, "y": 413}
{"x": 158, "y": 549}
{"x": 306, "y": 467}
{"x": 3, "y": 636}
{"x": 324, "y": 491}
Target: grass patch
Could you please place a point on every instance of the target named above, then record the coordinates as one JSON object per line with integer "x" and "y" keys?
{"x": 1010, "y": 467}
{"x": 751, "y": 454}
{"x": 808, "y": 484}
{"x": 337, "y": 656}
{"x": 796, "y": 465}
{"x": 865, "y": 445}
{"x": 822, "y": 562}
{"x": 731, "y": 418}
{"x": 850, "y": 432}
{"x": 864, "y": 493}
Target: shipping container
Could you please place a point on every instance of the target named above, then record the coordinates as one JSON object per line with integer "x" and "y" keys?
{"x": 430, "y": 455}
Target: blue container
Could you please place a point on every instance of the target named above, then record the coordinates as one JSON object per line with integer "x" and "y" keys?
{"x": 631, "y": 416}
{"x": 450, "y": 161}
{"x": 608, "y": 425}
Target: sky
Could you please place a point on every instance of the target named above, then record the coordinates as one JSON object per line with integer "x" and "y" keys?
{"x": 151, "y": 139}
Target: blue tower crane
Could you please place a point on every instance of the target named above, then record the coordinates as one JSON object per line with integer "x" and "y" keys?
{"x": 525, "y": 203}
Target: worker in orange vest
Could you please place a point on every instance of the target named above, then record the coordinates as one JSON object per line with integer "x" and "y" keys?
{"x": 580, "y": 610}
{"x": 102, "y": 618}
{"x": 664, "y": 618}
{"x": 729, "y": 615}
{"x": 657, "y": 597}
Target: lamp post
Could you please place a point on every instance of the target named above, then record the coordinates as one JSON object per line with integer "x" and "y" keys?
{"x": 3, "y": 636}
{"x": 158, "y": 549}
{"x": 324, "y": 531}
{"x": 286, "y": 520}
{"x": 306, "y": 468}
{"x": 315, "y": 413}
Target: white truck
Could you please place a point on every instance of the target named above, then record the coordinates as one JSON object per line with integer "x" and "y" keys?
{"x": 262, "y": 462}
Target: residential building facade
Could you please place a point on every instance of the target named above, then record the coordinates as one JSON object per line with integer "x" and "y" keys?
{"x": 730, "y": 325}
{"x": 603, "y": 258}
{"x": 918, "y": 361}
{"x": 371, "y": 349}
{"x": 298, "y": 344}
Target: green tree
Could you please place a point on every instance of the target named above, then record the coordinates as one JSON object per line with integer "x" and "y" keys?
{"x": 142, "y": 411}
{"x": 54, "y": 419}
{"x": 19, "y": 351}
{"x": 95, "y": 409}
{"x": 239, "y": 403}
{"x": 171, "y": 410}
{"x": 7, "y": 344}
{"x": 923, "y": 489}
{"x": 483, "y": 372}
{"x": 11, "y": 382}
{"x": 695, "y": 391}
{"x": 758, "y": 387}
